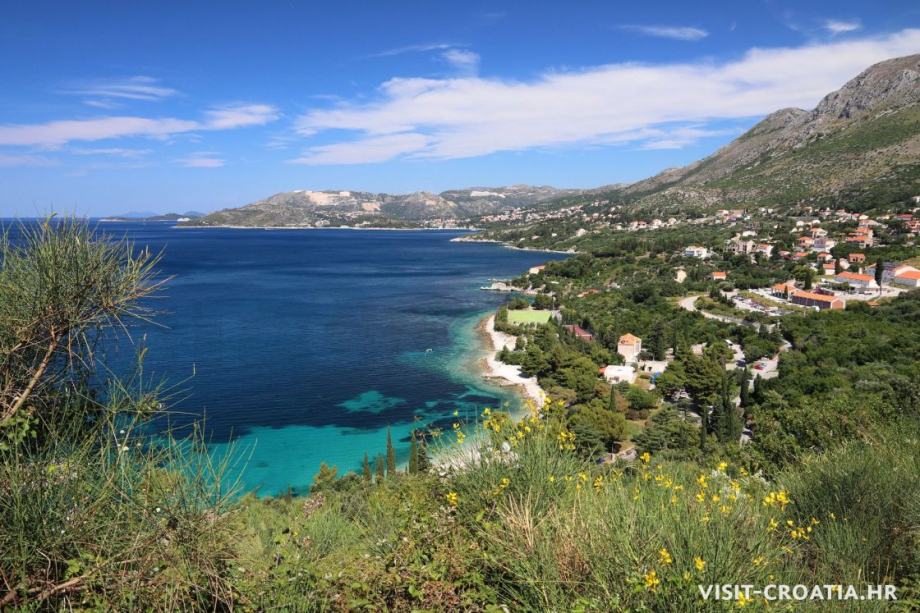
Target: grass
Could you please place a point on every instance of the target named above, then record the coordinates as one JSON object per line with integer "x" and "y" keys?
{"x": 526, "y": 317}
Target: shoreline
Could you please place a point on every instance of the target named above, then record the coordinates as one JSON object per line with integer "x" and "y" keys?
{"x": 505, "y": 375}
{"x": 466, "y": 239}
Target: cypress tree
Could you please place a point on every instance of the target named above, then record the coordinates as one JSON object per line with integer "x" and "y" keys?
{"x": 423, "y": 462}
{"x": 391, "y": 454}
{"x": 757, "y": 394}
{"x": 413, "y": 455}
{"x": 879, "y": 272}
{"x": 838, "y": 267}
{"x": 745, "y": 388}
{"x": 380, "y": 469}
{"x": 366, "y": 468}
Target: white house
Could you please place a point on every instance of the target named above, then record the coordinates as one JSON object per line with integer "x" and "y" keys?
{"x": 696, "y": 251}
{"x": 680, "y": 275}
{"x": 856, "y": 280}
{"x": 619, "y": 374}
{"x": 629, "y": 346}
{"x": 652, "y": 367}
{"x": 908, "y": 278}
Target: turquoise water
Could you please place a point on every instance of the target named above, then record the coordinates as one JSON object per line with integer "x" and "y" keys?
{"x": 301, "y": 347}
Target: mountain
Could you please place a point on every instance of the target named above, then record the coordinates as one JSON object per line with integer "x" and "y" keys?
{"x": 305, "y": 208}
{"x": 860, "y": 144}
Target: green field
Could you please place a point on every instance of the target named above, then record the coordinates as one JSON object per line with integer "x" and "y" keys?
{"x": 523, "y": 318}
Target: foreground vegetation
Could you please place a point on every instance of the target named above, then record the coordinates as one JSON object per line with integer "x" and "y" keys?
{"x": 98, "y": 513}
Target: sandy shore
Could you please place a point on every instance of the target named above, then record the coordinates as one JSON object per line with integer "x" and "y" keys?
{"x": 506, "y": 374}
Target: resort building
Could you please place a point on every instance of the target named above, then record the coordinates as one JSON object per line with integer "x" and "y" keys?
{"x": 816, "y": 300}
{"x": 619, "y": 374}
{"x": 629, "y": 346}
{"x": 719, "y": 275}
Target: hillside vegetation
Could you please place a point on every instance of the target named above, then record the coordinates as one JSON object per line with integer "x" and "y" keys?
{"x": 98, "y": 513}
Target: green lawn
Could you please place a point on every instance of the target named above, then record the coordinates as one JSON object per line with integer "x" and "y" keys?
{"x": 525, "y": 317}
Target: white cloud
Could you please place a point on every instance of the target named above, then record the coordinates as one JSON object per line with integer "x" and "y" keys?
{"x": 463, "y": 61}
{"x": 240, "y": 116}
{"x": 202, "y": 160}
{"x": 835, "y": 26}
{"x": 673, "y": 32}
{"x": 133, "y": 88}
{"x": 24, "y": 160}
{"x": 112, "y": 151}
{"x": 464, "y": 117}
{"x": 412, "y": 49}
{"x": 59, "y": 132}
{"x": 368, "y": 150}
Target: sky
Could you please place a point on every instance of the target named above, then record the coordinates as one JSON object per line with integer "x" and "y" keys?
{"x": 110, "y": 107}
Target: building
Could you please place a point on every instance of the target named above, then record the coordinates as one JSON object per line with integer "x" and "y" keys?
{"x": 856, "y": 280}
{"x": 580, "y": 333}
{"x": 857, "y": 258}
{"x": 890, "y": 270}
{"x": 781, "y": 290}
{"x": 696, "y": 251}
{"x": 619, "y": 374}
{"x": 908, "y": 278}
{"x": 740, "y": 246}
{"x": 816, "y": 300}
{"x": 629, "y": 346}
{"x": 680, "y": 275}
{"x": 764, "y": 249}
{"x": 652, "y": 367}
{"x": 718, "y": 275}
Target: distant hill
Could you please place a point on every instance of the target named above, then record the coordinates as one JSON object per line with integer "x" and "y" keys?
{"x": 188, "y": 216}
{"x": 305, "y": 208}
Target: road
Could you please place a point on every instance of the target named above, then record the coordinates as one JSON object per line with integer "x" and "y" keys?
{"x": 689, "y": 304}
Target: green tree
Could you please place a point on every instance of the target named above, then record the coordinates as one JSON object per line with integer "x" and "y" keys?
{"x": 879, "y": 272}
{"x": 324, "y": 478}
{"x": 366, "y": 468}
{"x": 391, "y": 454}
{"x": 744, "y": 381}
{"x": 423, "y": 462}
{"x": 703, "y": 379}
{"x": 380, "y": 468}
{"x": 413, "y": 454}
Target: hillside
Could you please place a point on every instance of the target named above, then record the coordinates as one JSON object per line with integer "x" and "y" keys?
{"x": 305, "y": 208}
{"x": 860, "y": 143}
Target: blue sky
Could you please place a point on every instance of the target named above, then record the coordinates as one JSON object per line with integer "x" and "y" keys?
{"x": 169, "y": 106}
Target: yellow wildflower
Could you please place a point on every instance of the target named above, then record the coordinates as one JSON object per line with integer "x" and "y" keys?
{"x": 651, "y": 580}
{"x": 701, "y": 481}
{"x": 742, "y": 600}
{"x": 598, "y": 483}
{"x": 452, "y": 499}
{"x": 758, "y": 560}
{"x": 646, "y": 457}
{"x": 699, "y": 563}
{"x": 722, "y": 466}
{"x": 664, "y": 556}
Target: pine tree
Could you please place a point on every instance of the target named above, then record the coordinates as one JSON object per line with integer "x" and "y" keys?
{"x": 380, "y": 470}
{"x": 413, "y": 454}
{"x": 366, "y": 468}
{"x": 391, "y": 454}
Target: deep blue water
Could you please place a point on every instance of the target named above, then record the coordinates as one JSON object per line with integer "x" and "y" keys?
{"x": 303, "y": 346}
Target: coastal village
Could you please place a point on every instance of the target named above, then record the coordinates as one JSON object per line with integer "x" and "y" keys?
{"x": 758, "y": 268}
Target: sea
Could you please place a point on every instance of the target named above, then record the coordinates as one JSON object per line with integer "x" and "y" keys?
{"x": 297, "y": 347}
